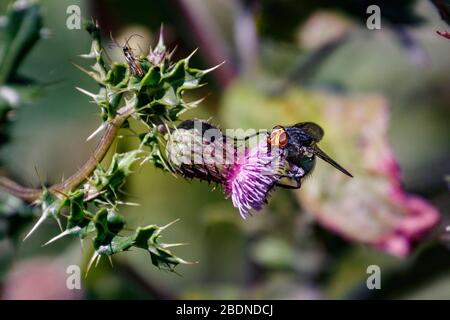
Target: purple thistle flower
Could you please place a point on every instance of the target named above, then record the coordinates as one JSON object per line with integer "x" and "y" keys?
{"x": 250, "y": 180}
{"x": 248, "y": 176}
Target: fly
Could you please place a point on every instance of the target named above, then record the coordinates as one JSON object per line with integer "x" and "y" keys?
{"x": 300, "y": 144}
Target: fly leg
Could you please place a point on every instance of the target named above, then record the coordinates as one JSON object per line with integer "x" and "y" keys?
{"x": 297, "y": 185}
{"x": 294, "y": 175}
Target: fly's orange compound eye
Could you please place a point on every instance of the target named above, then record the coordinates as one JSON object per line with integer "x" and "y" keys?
{"x": 278, "y": 137}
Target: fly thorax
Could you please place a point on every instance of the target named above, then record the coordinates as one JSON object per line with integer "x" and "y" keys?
{"x": 307, "y": 152}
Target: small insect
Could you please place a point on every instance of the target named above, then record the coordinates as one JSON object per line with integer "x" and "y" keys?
{"x": 300, "y": 144}
{"x": 135, "y": 68}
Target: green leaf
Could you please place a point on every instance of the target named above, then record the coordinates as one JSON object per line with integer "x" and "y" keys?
{"x": 107, "y": 242}
{"x": 51, "y": 207}
{"x": 118, "y": 75}
{"x": 148, "y": 239}
{"x": 78, "y": 222}
{"x": 151, "y": 78}
{"x": 108, "y": 224}
{"x": 119, "y": 169}
{"x": 24, "y": 22}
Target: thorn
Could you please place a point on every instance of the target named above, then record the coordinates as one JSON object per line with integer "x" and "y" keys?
{"x": 59, "y": 224}
{"x": 89, "y": 55}
{"x": 171, "y": 245}
{"x": 161, "y": 35}
{"x": 114, "y": 40}
{"x": 94, "y": 256}
{"x": 203, "y": 72}
{"x": 190, "y": 56}
{"x": 98, "y": 260}
{"x": 128, "y": 203}
{"x": 38, "y": 223}
{"x": 82, "y": 69}
{"x": 59, "y": 236}
{"x": 93, "y": 134}
{"x": 196, "y": 102}
{"x": 90, "y": 94}
{"x": 169, "y": 56}
{"x": 39, "y": 177}
{"x": 185, "y": 262}
{"x": 110, "y": 261}
{"x": 169, "y": 224}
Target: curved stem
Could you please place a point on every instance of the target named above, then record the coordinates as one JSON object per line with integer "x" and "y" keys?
{"x": 109, "y": 134}
{"x": 13, "y": 188}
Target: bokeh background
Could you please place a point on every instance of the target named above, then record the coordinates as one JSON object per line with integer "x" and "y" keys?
{"x": 286, "y": 61}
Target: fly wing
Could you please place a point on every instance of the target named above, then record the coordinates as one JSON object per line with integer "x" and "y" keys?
{"x": 312, "y": 129}
{"x": 316, "y": 132}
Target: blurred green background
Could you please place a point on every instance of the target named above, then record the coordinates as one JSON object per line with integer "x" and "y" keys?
{"x": 280, "y": 253}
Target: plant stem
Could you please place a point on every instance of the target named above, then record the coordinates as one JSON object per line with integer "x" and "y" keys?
{"x": 109, "y": 134}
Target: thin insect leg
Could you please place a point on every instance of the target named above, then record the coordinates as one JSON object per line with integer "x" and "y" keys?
{"x": 287, "y": 186}
{"x": 127, "y": 45}
{"x": 296, "y": 174}
{"x": 130, "y": 37}
{"x": 236, "y": 139}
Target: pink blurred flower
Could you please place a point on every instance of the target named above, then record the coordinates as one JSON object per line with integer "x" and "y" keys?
{"x": 373, "y": 207}
{"x": 420, "y": 215}
{"x": 38, "y": 279}
{"x": 247, "y": 174}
